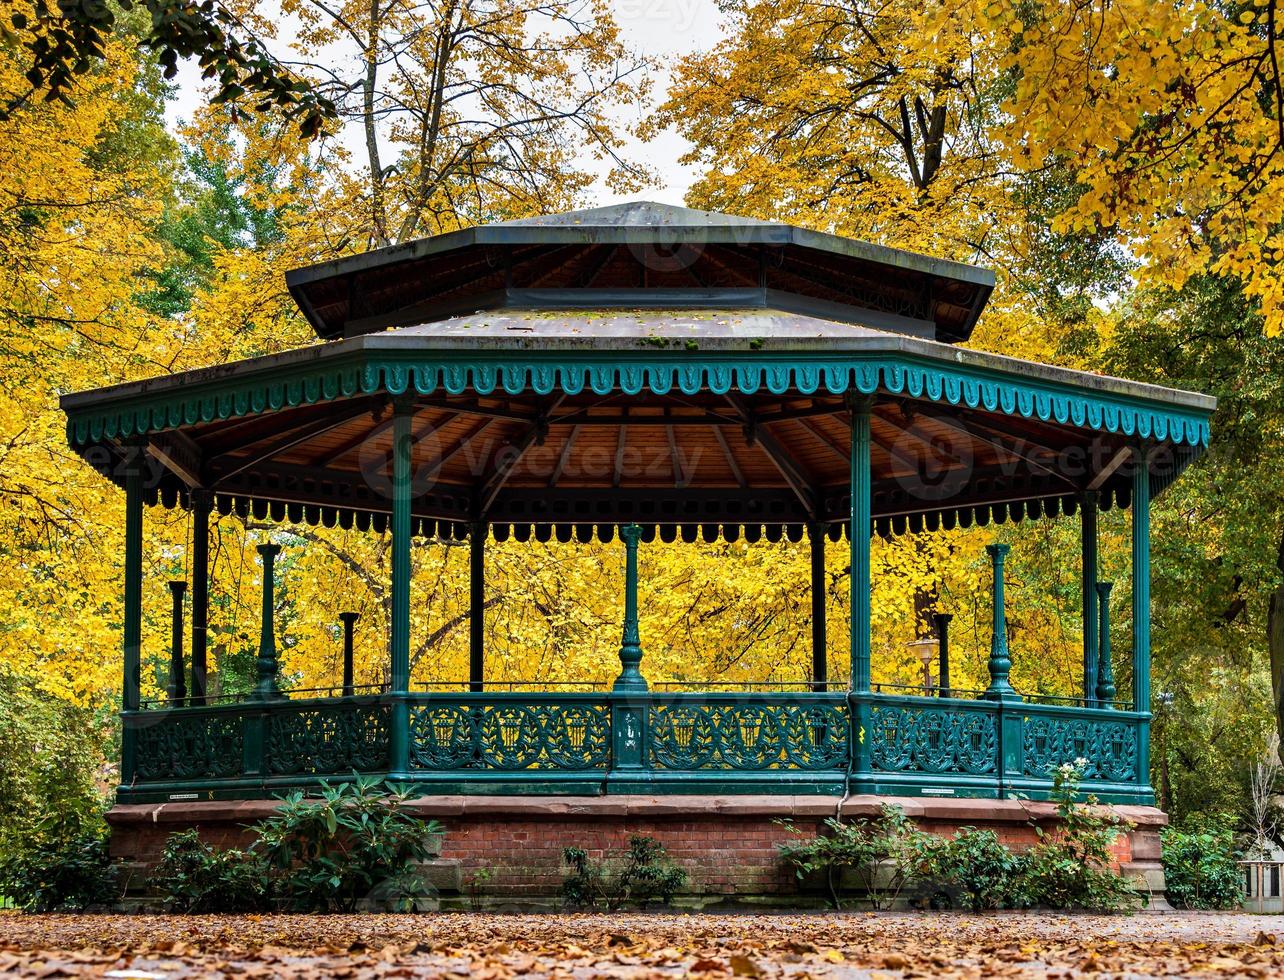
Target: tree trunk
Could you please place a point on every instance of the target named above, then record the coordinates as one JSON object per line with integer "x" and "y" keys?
{"x": 1275, "y": 644}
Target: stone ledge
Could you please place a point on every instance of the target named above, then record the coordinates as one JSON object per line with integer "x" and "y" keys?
{"x": 591, "y": 807}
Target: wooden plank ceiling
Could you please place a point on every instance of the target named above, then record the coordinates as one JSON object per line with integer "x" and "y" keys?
{"x": 674, "y": 458}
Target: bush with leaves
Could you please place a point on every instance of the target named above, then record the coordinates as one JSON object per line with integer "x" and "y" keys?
{"x": 195, "y": 877}
{"x": 1070, "y": 867}
{"x": 53, "y": 840}
{"x": 975, "y": 867}
{"x": 1201, "y": 869}
{"x": 64, "y": 867}
{"x": 641, "y": 874}
{"x": 354, "y": 842}
{"x": 885, "y": 854}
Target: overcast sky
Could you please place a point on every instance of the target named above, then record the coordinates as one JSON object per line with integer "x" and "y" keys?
{"x": 663, "y": 29}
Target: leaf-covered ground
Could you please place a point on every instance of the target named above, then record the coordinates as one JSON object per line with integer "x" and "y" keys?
{"x": 861, "y": 945}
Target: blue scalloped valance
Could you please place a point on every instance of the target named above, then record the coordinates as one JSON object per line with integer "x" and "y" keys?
{"x": 688, "y": 373}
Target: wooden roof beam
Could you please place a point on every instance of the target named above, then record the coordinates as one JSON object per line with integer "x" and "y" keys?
{"x": 617, "y": 470}
{"x": 680, "y": 478}
{"x": 564, "y": 456}
{"x": 1120, "y": 457}
{"x": 179, "y": 454}
{"x": 978, "y": 432}
{"x": 780, "y": 457}
{"x": 295, "y": 437}
{"x": 732, "y": 464}
{"x": 507, "y": 462}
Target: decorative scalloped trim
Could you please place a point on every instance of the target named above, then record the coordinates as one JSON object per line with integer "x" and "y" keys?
{"x": 947, "y": 384}
{"x": 978, "y": 515}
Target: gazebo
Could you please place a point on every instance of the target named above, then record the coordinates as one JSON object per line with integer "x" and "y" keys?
{"x": 640, "y": 371}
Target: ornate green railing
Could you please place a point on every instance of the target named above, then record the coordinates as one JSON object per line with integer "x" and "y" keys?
{"x": 619, "y": 742}
{"x": 954, "y": 747}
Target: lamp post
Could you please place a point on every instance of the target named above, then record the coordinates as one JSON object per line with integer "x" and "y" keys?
{"x": 924, "y": 649}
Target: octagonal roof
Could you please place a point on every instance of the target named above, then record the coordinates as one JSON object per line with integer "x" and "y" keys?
{"x": 642, "y": 255}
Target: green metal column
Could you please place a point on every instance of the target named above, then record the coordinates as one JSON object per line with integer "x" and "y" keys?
{"x": 942, "y": 621}
{"x": 1000, "y": 662}
{"x": 477, "y": 606}
{"x": 399, "y": 640}
{"x": 1105, "y": 690}
{"x": 630, "y": 678}
{"x": 859, "y": 539}
{"x": 1141, "y": 606}
{"x": 819, "y": 661}
{"x": 349, "y": 620}
{"x": 268, "y": 687}
{"x": 1088, "y": 525}
{"x": 133, "y": 611}
{"x": 202, "y": 501}
{"x": 630, "y": 698}
{"x": 859, "y": 704}
{"x": 177, "y": 688}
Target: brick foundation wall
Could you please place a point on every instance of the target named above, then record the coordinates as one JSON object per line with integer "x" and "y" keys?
{"x": 727, "y": 845}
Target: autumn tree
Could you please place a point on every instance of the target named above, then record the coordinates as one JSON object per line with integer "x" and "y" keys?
{"x": 1171, "y": 119}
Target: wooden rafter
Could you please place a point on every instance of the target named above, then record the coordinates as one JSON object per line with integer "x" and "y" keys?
{"x": 464, "y": 442}
{"x": 826, "y": 440}
{"x": 780, "y": 457}
{"x": 679, "y": 471}
{"x": 179, "y": 454}
{"x": 617, "y": 472}
{"x": 790, "y": 414}
{"x": 1120, "y": 457}
{"x": 594, "y": 268}
{"x": 731, "y": 458}
{"x": 505, "y": 463}
{"x": 977, "y": 432}
{"x": 295, "y": 437}
{"x": 923, "y": 440}
{"x": 563, "y": 456}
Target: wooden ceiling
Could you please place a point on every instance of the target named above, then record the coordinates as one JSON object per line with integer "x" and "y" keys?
{"x": 653, "y": 459}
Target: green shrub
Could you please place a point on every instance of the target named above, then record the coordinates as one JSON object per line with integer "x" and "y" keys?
{"x": 885, "y": 854}
{"x": 354, "y": 842}
{"x": 51, "y": 753}
{"x": 975, "y": 869}
{"x": 1070, "y": 866}
{"x": 195, "y": 877}
{"x": 1200, "y": 869}
{"x": 64, "y": 867}
{"x": 640, "y": 875}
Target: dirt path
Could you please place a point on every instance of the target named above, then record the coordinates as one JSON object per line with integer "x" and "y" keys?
{"x": 636, "y": 945}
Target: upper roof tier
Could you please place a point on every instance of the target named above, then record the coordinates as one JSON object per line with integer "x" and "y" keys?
{"x": 642, "y": 255}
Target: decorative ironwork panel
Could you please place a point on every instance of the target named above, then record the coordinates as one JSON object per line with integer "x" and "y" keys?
{"x": 510, "y": 736}
{"x": 747, "y": 736}
{"x": 935, "y": 739}
{"x": 179, "y": 745}
{"x": 327, "y": 739}
{"x": 1107, "y": 750}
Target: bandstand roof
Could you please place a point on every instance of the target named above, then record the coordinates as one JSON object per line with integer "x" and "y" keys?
{"x": 689, "y": 420}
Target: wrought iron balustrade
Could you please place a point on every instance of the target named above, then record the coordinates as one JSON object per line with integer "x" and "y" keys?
{"x": 617, "y": 742}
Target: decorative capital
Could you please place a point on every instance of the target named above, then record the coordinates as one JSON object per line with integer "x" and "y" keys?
{"x": 998, "y": 552}
{"x": 858, "y": 402}
{"x": 178, "y": 587}
{"x": 348, "y": 618}
{"x": 403, "y": 404}
{"x": 631, "y": 534}
{"x": 269, "y": 550}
